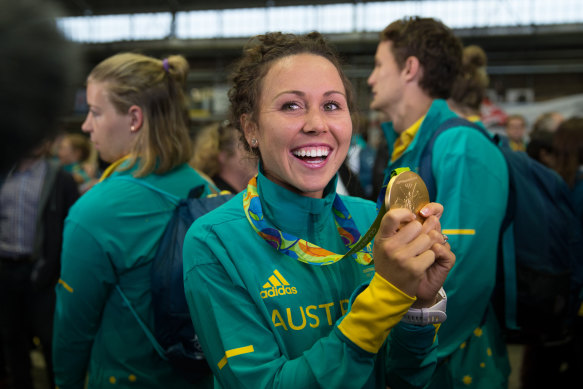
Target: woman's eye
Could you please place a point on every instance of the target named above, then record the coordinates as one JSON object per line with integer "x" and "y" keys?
{"x": 331, "y": 106}
{"x": 290, "y": 106}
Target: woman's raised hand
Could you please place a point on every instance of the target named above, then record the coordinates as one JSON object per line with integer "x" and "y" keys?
{"x": 411, "y": 255}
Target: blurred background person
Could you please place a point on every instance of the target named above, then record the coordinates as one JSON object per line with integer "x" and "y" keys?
{"x": 548, "y": 121}
{"x": 35, "y": 197}
{"x": 540, "y": 147}
{"x": 76, "y": 154}
{"x": 36, "y": 75}
{"x": 540, "y": 143}
{"x": 515, "y": 128}
{"x": 558, "y": 364}
{"x": 568, "y": 152}
{"x": 469, "y": 88}
{"x": 39, "y": 64}
{"x": 355, "y": 174}
{"x": 219, "y": 154}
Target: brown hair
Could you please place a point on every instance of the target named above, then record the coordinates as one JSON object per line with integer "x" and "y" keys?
{"x": 155, "y": 86}
{"x": 548, "y": 121}
{"x": 438, "y": 50}
{"x": 469, "y": 88}
{"x": 568, "y": 149}
{"x": 211, "y": 140}
{"x": 258, "y": 57}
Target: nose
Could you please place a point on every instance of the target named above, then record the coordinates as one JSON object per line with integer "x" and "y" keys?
{"x": 370, "y": 79}
{"x": 315, "y": 122}
{"x": 85, "y": 127}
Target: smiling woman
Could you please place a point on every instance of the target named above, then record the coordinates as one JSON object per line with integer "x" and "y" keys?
{"x": 280, "y": 303}
{"x": 304, "y": 125}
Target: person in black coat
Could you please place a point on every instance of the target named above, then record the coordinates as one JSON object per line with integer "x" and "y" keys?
{"x": 35, "y": 197}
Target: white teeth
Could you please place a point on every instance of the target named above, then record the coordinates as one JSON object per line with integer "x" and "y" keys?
{"x": 312, "y": 152}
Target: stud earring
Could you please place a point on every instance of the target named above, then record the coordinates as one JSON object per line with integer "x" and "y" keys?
{"x": 254, "y": 142}
{"x": 132, "y": 128}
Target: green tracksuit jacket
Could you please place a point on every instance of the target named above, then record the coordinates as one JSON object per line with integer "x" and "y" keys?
{"x": 471, "y": 178}
{"x": 110, "y": 237}
{"x": 266, "y": 320}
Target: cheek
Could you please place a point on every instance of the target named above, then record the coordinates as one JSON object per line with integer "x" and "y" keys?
{"x": 344, "y": 132}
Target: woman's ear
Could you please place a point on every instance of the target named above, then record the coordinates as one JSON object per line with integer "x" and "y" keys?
{"x": 136, "y": 118}
{"x": 249, "y": 129}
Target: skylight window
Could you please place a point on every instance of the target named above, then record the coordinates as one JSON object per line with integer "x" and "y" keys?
{"x": 332, "y": 18}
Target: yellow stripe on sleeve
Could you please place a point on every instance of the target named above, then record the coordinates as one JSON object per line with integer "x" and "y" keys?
{"x": 66, "y": 286}
{"x": 375, "y": 311}
{"x": 459, "y": 232}
{"x": 233, "y": 353}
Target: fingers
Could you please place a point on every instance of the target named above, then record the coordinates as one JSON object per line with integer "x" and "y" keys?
{"x": 405, "y": 267}
{"x": 392, "y": 221}
{"x": 431, "y": 223}
{"x": 443, "y": 255}
{"x": 403, "y": 254}
{"x": 432, "y": 209}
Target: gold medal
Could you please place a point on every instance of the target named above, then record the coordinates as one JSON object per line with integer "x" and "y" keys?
{"x": 404, "y": 190}
{"x": 407, "y": 190}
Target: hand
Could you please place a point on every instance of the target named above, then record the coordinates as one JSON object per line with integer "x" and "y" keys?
{"x": 402, "y": 248}
{"x": 444, "y": 258}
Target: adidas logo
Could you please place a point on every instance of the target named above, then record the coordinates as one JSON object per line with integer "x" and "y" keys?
{"x": 277, "y": 286}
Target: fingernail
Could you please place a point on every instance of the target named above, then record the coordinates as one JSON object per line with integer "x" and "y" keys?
{"x": 425, "y": 212}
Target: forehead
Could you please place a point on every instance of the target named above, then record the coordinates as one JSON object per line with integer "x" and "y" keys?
{"x": 515, "y": 122}
{"x": 97, "y": 92}
{"x": 384, "y": 50}
{"x": 302, "y": 71}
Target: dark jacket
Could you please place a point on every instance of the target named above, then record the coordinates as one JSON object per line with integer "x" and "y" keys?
{"x": 59, "y": 193}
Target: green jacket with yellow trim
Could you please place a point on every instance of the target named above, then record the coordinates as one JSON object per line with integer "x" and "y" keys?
{"x": 110, "y": 237}
{"x": 266, "y": 320}
{"x": 471, "y": 179}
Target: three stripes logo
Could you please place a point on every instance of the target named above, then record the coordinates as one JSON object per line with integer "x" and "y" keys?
{"x": 277, "y": 286}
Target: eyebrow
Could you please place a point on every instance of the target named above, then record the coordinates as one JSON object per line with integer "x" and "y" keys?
{"x": 303, "y": 94}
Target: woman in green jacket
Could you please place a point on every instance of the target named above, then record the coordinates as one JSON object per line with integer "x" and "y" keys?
{"x": 272, "y": 303}
{"x": 137, "y": 122}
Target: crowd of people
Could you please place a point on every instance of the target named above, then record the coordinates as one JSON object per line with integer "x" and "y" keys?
{"x": 299, "y": 280}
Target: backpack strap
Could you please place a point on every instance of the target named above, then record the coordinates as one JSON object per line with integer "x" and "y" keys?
{"x": 174, "y": 200}
{"x": 425, "y": 169}
{"x": 143, "y": 325}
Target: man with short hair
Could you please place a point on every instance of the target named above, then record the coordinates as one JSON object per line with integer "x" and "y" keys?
{"x": 416, "y": 63}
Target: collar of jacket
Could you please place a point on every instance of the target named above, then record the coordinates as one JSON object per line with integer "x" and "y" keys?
{"x": 438, "y": 113}
{"x": 292, "y": 212}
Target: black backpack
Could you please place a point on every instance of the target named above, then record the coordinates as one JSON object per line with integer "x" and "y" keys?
{"x": 173, "y": 335}
{"x": 539, "y": 282}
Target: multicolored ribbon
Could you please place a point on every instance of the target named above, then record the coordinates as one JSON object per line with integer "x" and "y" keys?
{"x": 301, "y": 249}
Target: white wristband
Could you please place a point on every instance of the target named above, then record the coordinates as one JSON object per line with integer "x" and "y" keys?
{"x": 432, "y": 315}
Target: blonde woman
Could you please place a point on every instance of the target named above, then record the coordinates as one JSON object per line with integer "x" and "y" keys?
{"x": 137, "y": 121}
